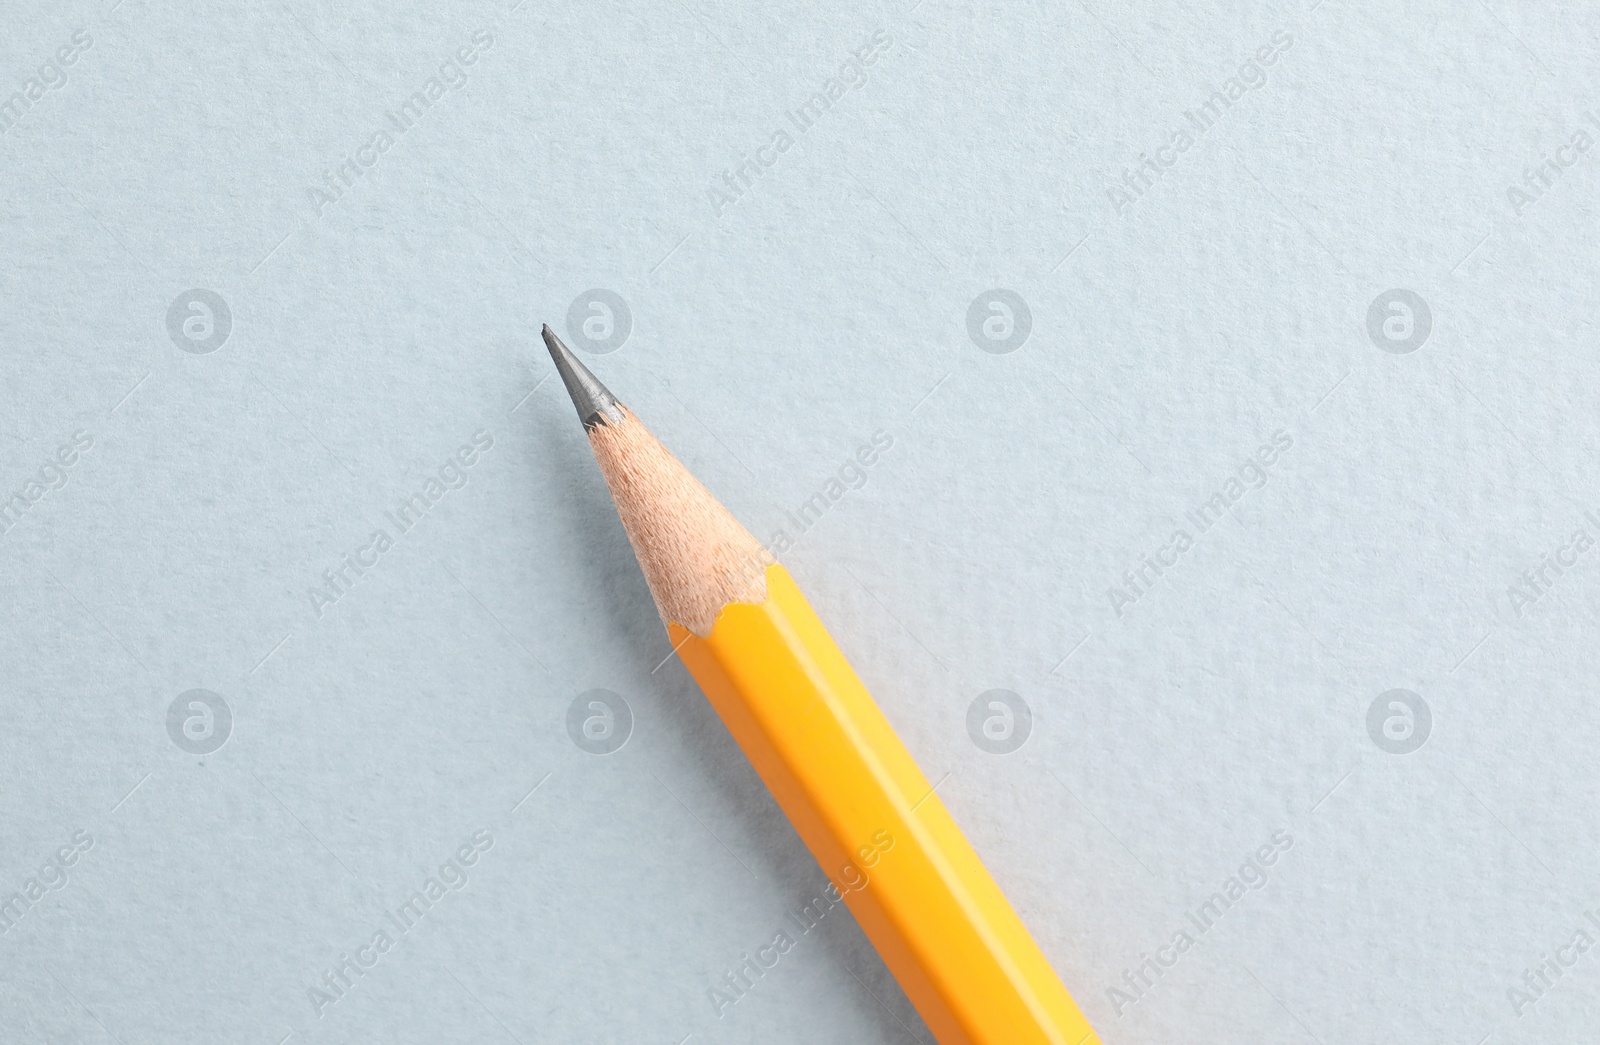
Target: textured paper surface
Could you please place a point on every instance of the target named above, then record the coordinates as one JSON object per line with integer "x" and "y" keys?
{"x": 1229, "y": 528}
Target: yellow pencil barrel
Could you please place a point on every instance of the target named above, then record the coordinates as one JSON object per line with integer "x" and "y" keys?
{"x": 874, "y": 824}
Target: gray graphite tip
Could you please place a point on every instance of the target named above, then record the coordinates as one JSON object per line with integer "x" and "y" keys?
{"x": 596, "y": 405}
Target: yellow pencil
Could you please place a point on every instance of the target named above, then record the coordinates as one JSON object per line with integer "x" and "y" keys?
{"x": 829, "y": 756}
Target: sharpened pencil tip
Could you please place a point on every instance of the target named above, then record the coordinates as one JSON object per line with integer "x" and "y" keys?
{"x": 594, "y": 402}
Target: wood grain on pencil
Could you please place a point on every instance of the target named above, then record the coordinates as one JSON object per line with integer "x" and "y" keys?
{"x": 696, "y": 556}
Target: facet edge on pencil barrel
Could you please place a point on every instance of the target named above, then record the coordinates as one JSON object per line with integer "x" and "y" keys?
{"x": 594, "y": 401}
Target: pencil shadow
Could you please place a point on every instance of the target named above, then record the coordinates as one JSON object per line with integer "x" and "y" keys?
{"x": 583, "y": 510}
{"x": 690, "y": 737}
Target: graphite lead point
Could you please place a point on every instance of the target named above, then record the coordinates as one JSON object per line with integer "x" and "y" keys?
{"x": 595, "y": 403}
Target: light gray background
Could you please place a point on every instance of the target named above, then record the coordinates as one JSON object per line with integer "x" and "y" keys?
{"x": 1168, "y": 342}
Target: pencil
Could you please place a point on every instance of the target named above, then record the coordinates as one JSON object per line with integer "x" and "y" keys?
{"x": 824, "y": 749}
